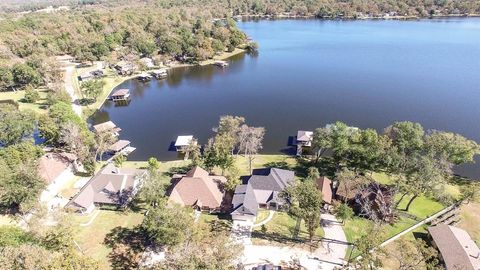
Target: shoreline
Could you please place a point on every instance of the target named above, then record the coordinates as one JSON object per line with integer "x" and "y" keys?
{"x": 353, "y": 18}
{"x": 110, "y": 85}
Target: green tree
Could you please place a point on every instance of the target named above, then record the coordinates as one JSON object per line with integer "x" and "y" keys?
{"x": 451, "y": 147}
{"x": 6, "y": 78}
{"x": 321, "y": 141}
{"x": 15, "y": 125}
{"x": 168, "y": 225}
{"x": 93, "y": 88}
{"x": 118, "y": 160}
{"x": 23, "y": 74}
{"x": 31, "y": 95}
{"x": 306, "y": 203}
{"x": 344, "y": 212}
{"x": 233, "y": 178}
{"x": 153, "y": 164}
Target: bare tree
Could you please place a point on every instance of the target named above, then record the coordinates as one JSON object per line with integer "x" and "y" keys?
{"x": 104, "y": 140}
{"x": 250, "y": 141}
{"x": 376, "y": 202}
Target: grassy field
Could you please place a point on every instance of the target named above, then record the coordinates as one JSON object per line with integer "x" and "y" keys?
{"x": 17, "y": 96}
{"x": 262, "y": 215}
{"x": 91, "y": 238}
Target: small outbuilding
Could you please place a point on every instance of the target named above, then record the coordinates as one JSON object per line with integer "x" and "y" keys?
{"x": 183, "y": 141}
{"x": 304, "y": 140}
{"x": 121, "y": 95}
{"x": 119, "y": 146}
{"x": 108, "y": 126}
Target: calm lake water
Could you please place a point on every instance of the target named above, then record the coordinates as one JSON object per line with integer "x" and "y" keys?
{"x": 309, "y": 73}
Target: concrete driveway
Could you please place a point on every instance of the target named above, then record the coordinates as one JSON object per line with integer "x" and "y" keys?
{"x": 327, "y": 257}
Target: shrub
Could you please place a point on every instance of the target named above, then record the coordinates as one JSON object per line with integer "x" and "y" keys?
{"x": 31, "y": 95}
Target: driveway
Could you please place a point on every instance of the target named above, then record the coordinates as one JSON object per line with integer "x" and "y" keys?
{"x": 327, "y": 257}
{"x": 69, "y": 70}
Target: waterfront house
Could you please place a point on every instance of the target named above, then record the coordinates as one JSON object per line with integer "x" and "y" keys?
{"x": 304, "y": 140}
{"x": 198, "y": 189}
{"x": 260, "y": 190}
{"x": 125, "y": 68}
{"x": 121, "y": 95}
{"x": 108, "y": 126}
{"x": 457, "y": 249}
{"x": 183, "y": 141}
{"x": 112, "y": 187}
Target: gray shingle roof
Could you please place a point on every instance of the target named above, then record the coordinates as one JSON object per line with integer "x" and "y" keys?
{"x": 262, "y": 187}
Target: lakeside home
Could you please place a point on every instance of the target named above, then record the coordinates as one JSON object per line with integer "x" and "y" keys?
{"x": 260, "y": 190}
{"x": 198, "y": 189}
{"x": 111, "y": 187}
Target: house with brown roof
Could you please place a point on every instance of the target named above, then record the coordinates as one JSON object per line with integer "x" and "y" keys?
{"x": 324, "y": 185}
{"x": 111, "y": 187}
{"x": 457, "y": 249}
{"x": 198, "y": 189}
{"x": 56, "y": 169}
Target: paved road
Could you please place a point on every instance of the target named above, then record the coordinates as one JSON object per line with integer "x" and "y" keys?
{"x": 69, "y": 70}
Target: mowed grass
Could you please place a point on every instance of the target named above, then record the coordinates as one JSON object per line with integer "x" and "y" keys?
{"x": 282, "y": 226}
{"x": 91, "y": 238}
{"x": 18, "y": 96}
{"x": 262, "y": 215}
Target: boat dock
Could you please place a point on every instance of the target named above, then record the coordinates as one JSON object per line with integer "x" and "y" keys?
{"x": 221, "y": 63}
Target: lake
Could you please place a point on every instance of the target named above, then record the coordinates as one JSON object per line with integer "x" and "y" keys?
{"x": 309, "y": 73}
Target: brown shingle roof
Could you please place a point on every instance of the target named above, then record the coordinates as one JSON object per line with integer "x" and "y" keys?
{"x": 457, "y": 248}
{"x": 51, "y": 165}
{"x": 121, "y": 92}
{"x": 324, "y": 185}
{"x": 109, "y": 186}
{"x": 198, "y": 188}
{"x": 118, "y": 145}
{"x": 106, "y": 126}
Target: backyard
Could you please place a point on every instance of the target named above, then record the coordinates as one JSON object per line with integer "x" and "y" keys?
{"x": 18, "y": 97}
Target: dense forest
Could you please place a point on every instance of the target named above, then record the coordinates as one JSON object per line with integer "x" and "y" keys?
{"x": 187, "y": 31}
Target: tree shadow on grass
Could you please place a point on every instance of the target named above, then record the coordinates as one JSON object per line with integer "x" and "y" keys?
{"x": 128, "y": 245}
{"x": 177, "y": 170}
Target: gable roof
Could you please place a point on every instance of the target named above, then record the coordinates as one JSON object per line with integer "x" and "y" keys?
{"x": 198, "y": 188}
{"x": 109, "y": 186}
{"x": 458, "y": 250}
{"x": 263, "y": 186}
{"x": 106, "y": 126}
{"x": 324, "y": 185}
{"x": 51, "y": 165}
{"x": 304, "y": 136}
{"x": 121, "y": 92}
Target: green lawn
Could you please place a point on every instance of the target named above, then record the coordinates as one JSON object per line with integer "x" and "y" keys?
{"x": 281, "y": 229}
{"x": 17, "y": 96}
{"x": 111, "y": 80}
{"x": 91, "y": 238}
{"x": 262, "y": 215}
